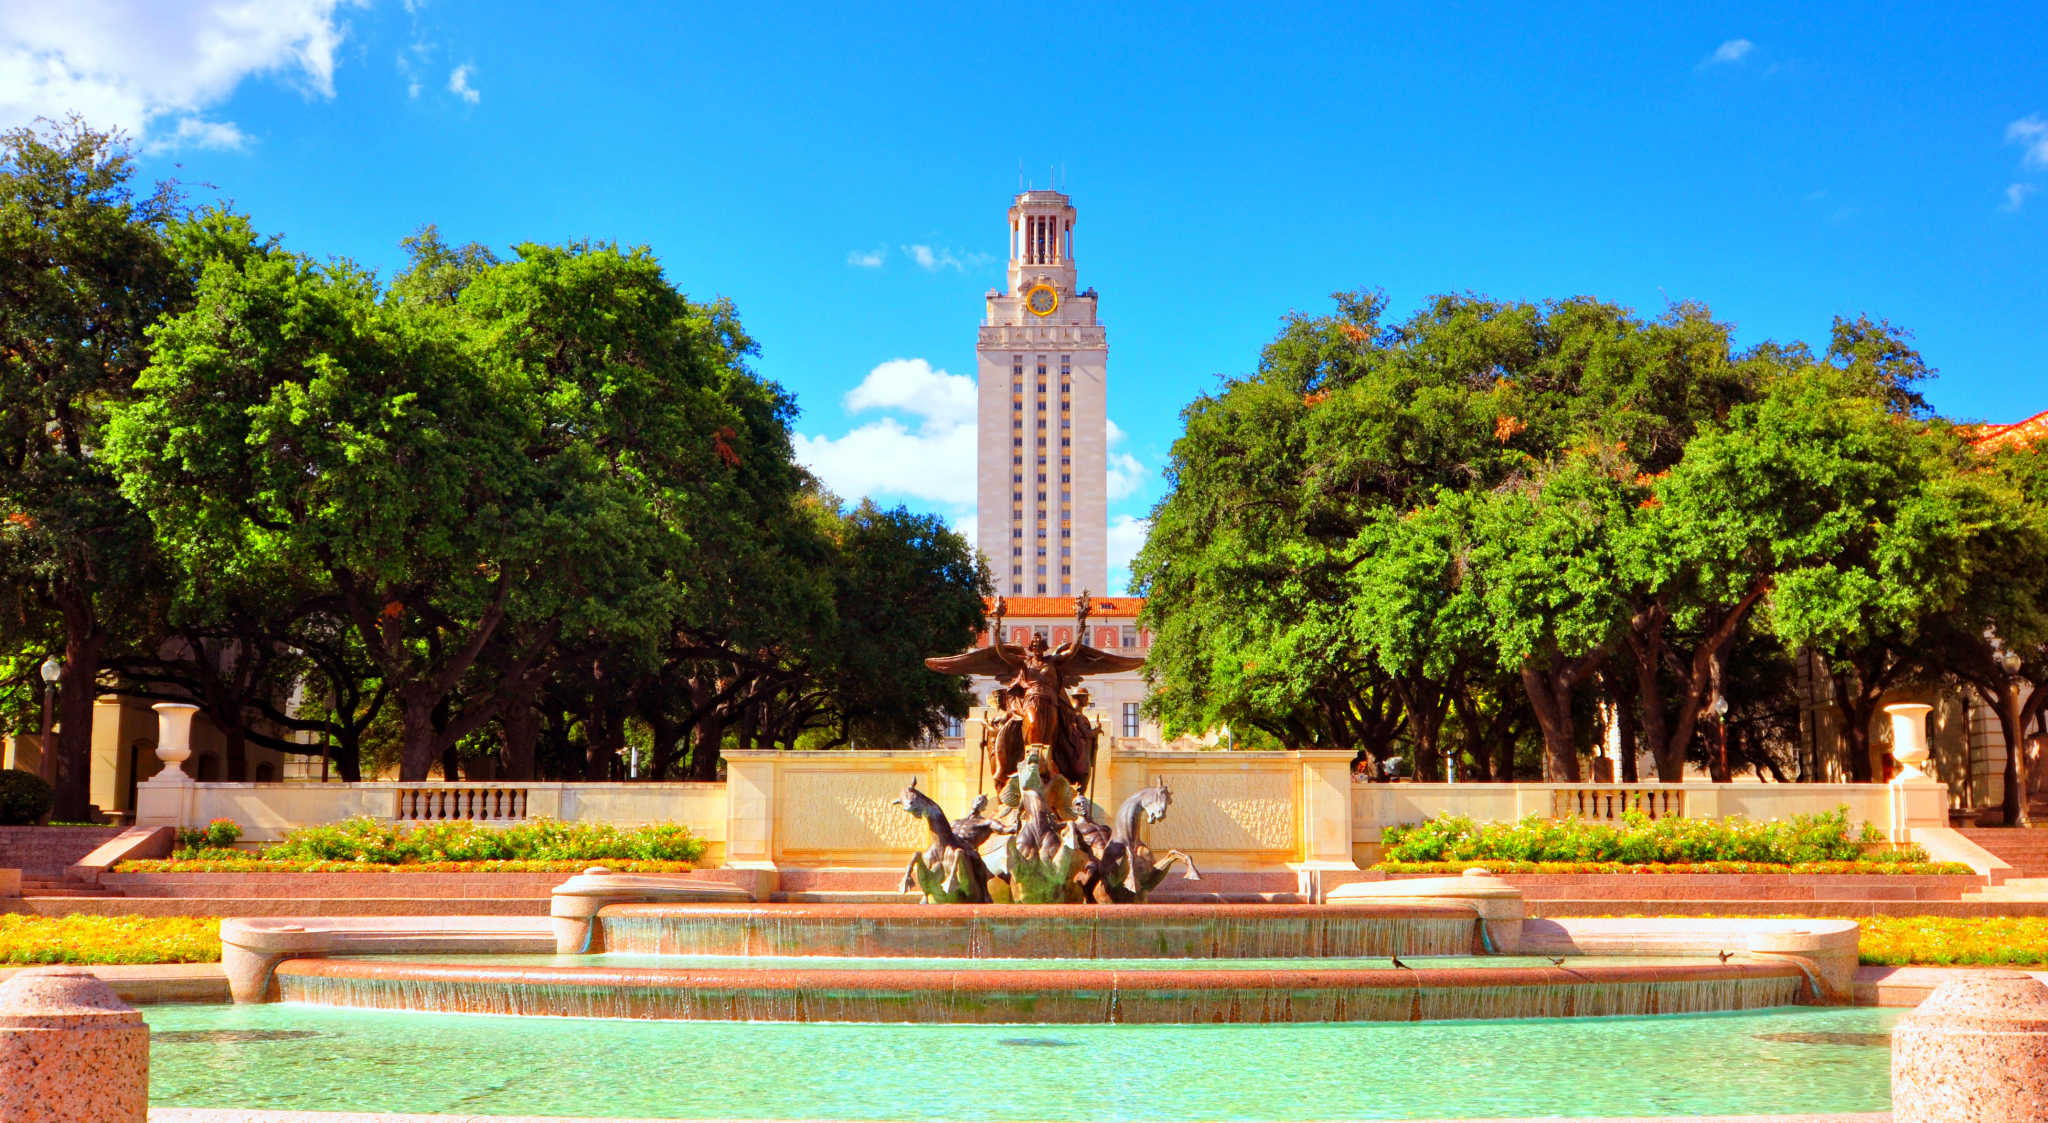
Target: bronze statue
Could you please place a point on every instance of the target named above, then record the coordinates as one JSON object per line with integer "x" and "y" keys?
{"x": 1126, "y": 867}
{"x": 951, "y": 871}
{"x": 1042, "y": 858}
{"x": 1035, "y": 707}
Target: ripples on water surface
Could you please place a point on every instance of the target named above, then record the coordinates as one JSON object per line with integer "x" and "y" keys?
{"x": 1792, "y": 1060}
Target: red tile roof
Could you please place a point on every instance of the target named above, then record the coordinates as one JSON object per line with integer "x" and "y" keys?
{"x": 1990, "y": 438}
{"x": 1062, "y": 608}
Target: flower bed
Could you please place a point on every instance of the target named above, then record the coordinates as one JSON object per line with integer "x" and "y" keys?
{"x": 1921, "y": 869}
{"x": 108, "y": 939}
{"x": 1901, "y": 941}
{"x": 269, "y": 865}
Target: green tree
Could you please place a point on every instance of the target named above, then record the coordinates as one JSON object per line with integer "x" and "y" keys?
{"x": 86, "y": 266}
{"x": 528, "y": 447}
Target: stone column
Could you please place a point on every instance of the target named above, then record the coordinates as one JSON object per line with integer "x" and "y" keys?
{"x": 70, "y": 1051}
{"x": 1975, "y": 1052}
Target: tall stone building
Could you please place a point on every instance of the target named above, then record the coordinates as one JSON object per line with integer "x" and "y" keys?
{"x": 1041, "y": 360}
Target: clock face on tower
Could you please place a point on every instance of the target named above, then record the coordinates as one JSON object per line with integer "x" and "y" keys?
{"x": 1042, "y": 299}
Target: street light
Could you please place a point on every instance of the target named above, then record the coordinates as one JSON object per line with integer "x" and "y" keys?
{"x": 2011, "y": 661}
{"x": 52, "y": 670}
{"x": 1720, "y": 708}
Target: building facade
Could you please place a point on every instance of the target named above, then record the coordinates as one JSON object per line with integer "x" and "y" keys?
{"x": 1041, "y": 363}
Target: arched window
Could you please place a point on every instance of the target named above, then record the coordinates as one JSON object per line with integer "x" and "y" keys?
{"x": 266, "y": 772}
{"x": 209, "y": 768}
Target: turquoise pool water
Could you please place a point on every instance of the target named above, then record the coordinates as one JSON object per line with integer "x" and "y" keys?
{"x": 845, "y": 963}
{"x": 287, "y": 1057}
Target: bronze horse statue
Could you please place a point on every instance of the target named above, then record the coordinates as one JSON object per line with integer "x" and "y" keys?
{"x": 1125, "y": 865}
{"x": 950, "y": 871}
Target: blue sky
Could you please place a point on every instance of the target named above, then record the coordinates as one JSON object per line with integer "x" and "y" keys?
{"x": 842, "y": 171}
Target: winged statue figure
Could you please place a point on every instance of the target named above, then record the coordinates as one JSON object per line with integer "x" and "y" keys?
{"x": 1035, "y": 705}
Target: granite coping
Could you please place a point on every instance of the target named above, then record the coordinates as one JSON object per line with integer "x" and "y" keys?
{"x": 232, "y": 1115}
{"x": 147, "y": 983}
{"x": 1062, "y": 981}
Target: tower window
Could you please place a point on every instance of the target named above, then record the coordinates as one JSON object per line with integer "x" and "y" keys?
{"x": 1041, "y": 478}
{"x": 1016, "y": 551}
{"x": 1065, "y": 442}
{"x": 1018, "y": 442}
{"x": 1017, "y": 532}
{"x": 1041, "y": 588}
{"x": 1017, "y": 588}
{"x": 1016, "y": 571}
{"x": 1066, "y": 570}
{"x": 1017, "y": 424}
{"x": 1064, "y": 477}
{"x": 1066, "y": 532}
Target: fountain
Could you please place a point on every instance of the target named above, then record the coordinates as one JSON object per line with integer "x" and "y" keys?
{"x": 1039, "y": 914}
{"x": 1055, "y": 930}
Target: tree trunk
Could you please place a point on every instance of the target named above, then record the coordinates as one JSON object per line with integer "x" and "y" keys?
{"x": 450, "y": 765}
{"x": 416, "y": 702}
{"x": 710, "y": 739}
{"x": 1550, "y": 696}
{"x": 347, "y": 760}
{"x": 1857, "y": 693}
{"x": 521, "y": 733}
{"x": 76, "y": 690}
{"x": 1717, "y": 758}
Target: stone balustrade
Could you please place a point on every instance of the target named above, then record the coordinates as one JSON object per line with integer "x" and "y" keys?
{"x": 1234, "y": 811}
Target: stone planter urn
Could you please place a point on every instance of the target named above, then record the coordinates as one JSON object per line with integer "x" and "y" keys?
{"x": 1909, "y": 738}
{"x": 173, "y": 738}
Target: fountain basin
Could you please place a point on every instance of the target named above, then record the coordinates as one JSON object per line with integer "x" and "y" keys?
{"x": 1380, "y": 929}
{"x": 1052, "y": 997}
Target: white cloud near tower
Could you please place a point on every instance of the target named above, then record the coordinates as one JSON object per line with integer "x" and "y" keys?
{"x": 918, "y": 448}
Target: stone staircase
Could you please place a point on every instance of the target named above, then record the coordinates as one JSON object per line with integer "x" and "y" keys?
{"x": 2026, "y": 851}
{"x": 62, "y": 887}
{"x": 45, "y": 854}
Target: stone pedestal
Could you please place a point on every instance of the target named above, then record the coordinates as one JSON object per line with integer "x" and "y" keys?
{"x": 1975, "y": 1052}
{"x": 70, "y": 1051}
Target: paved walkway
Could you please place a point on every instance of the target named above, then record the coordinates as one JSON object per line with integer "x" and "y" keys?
{"x": 206, "y": 1115}
{"x": 140, "y": 983}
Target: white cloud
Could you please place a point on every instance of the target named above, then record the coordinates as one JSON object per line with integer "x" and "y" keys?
{"x": 871, "y": 260}
{"x": 1126, "y": 536}
{"x": 911, "y": 385}
{"x": 885, "y": 457}
{"x": 458, "y": 84}
{"x": 195, "y": 133}
{"x": 2031, "y": 133}
{"x": 1731, "y": 51}
{"x": 2016, "y": 196}
{"x": 934, "y": 258}
{"x": 154, "y": 68}
{"x": 1126, "y": 473}
{"x": 930, "y": 259}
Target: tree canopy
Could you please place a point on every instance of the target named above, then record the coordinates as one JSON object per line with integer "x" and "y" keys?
{"x": 1456, "y": 538}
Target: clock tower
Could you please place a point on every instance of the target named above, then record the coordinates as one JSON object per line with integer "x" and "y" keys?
{"x": 1043, "y": 519}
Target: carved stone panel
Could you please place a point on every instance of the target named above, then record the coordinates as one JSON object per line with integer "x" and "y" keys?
{"x": 1242, "y": 811}
{"x": 826, "y": 809}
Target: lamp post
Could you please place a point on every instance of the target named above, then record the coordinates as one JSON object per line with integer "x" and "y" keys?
{"x": 1720, "y": 708}
{"x": 52, "y": 670}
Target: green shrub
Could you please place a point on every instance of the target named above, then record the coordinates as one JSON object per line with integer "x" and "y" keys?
{"x": 367, "y": 840}
{"x": 24, "y": 797}
{"x": 218, "y": 835}
{"x": 1640, "y": 840}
